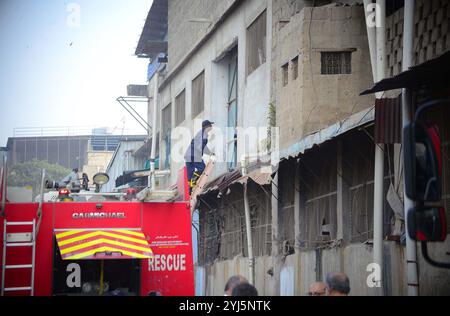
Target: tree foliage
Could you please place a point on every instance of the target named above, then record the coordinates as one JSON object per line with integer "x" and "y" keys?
{"x": 29, "y": 174}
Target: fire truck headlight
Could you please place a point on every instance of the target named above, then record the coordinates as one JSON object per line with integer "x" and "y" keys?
{"x": 101, "y": 178}
{"x": 86, "y": 288}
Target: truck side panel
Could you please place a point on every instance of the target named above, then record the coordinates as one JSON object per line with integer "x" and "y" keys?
{"x": 171, "y": 271}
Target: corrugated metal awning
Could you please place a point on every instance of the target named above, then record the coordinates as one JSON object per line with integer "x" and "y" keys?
{"x": 433, "y": 72}
{"x": 221, "y": 183}
{"x": 388, "y": 121}
{"x": 258, "y": 176}
{"x": 353, "y": 121}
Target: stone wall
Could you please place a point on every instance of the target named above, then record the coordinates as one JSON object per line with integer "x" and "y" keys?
{"x": 431, "y": 34}
{"x": 189, "y": 21}
{"x": 314, "y": 101}
{"x": 293, "y": 274}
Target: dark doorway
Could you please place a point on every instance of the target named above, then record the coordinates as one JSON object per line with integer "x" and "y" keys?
{"x": 120, "y": 277}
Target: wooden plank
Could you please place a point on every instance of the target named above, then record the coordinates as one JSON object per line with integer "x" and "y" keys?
{"x": 201, "y": 182}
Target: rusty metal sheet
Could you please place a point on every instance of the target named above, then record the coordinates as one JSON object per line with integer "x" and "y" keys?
{"x": 388, "y": 121}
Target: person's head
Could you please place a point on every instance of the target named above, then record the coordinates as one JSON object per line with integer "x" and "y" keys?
{"x": 244, "y": 289}
{"x": 207, "y": 126}
{"x": 233, "y": 282}
{"x": 338, "y": 284}
{"x": 317, "y": 289}
{"x": 75, "y": 170}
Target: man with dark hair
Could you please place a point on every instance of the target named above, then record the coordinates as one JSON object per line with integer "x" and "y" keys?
{"x": 338, "y": 284}
{"x": 244, "y": 289}
{"x": 72, "y": 178}
{"x": 194, "y": 154}
{"x": 233, "y": 282}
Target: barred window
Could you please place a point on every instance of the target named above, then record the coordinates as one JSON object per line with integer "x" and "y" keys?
{"x": 256, "y": 43}
{"x": 180, "y": 108}
{"x": 285, "y": 74}
{"x": 334, "y": 63}
{"x": 198, "y": 94}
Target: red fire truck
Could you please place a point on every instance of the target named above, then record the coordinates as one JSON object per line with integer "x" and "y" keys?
{"x": 97, "y": 248}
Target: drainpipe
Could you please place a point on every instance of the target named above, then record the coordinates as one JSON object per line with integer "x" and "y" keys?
{"x": 151, "y": 183}
{"x": 275, "y": 231}
{"x": 379, "y": 149}
{"x": 248, "y": 229}
{"x": 378, "y": 216}
{"x": 411, "y": 250}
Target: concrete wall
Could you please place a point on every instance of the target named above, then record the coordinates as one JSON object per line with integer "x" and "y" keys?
{"x": 293, "y": 274}
{"x": 183, "y": 31}
{"x": 253, "y": 91}
{"x": 314, "y": 101}
{"x": 96, "y": 162}
{"x": 216, "y": 275}
{"x": 431, "y": 29}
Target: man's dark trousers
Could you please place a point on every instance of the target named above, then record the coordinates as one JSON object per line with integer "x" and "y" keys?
{"x": 191, "y": 166}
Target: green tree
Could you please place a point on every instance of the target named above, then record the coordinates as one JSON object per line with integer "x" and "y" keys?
{"x": 29, "y": 174}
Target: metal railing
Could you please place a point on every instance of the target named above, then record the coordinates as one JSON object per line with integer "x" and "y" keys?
{"x": 49, "y": 131}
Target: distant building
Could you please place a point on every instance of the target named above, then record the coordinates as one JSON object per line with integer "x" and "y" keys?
{"x": 96, "y": 162}
{"x": 69, "y": 151}
{"x": 3, "y": 153}
{"x": 125, "y": 159}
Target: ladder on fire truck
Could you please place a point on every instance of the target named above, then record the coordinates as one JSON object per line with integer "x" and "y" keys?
{"x": 201, "y": 183}
{"x": 18, "y": 239}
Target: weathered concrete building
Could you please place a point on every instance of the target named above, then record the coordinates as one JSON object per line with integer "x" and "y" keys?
{"x": 221, "y": 75}
{"x": 322, "y": 65}
{"x": 302, "y": 64}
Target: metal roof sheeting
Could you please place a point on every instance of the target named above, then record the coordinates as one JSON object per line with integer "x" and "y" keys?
{"x": 259, "y": 177}
{"x": 388, "y": 121}
{"x": 320, "y": 137}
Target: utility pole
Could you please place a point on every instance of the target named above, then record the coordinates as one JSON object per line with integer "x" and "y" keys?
{"x": 408, "y": 53}
{"x": 378, "y": 197}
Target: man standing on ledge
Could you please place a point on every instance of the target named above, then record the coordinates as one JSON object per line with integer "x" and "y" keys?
{"x": 194, "y": 154}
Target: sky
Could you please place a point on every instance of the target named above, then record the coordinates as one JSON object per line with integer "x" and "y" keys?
{"x": 64, "y": 63}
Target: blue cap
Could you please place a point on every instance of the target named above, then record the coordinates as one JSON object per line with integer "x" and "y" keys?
{"x": 207, "y": 123}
